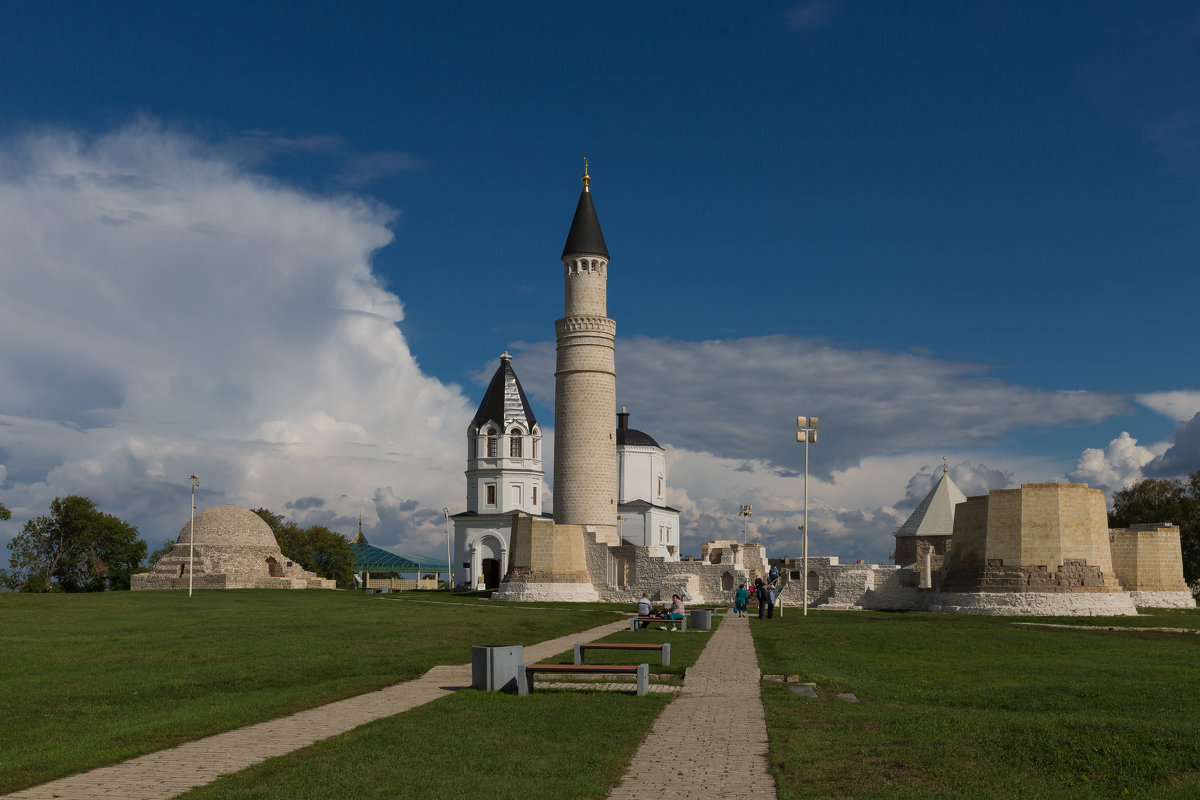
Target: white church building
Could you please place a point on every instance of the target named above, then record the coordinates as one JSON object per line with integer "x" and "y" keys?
{"x": 505, "y": 476}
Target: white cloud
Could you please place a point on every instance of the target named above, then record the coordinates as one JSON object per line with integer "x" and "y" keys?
{"x": 1114, "y": 467}
{"x": 1179, "y": 406}
{"x": 739, "y": 399}
{"x": 166, "y": 311}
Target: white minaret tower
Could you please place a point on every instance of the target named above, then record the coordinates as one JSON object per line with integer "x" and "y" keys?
{"x": 585, "y": 383}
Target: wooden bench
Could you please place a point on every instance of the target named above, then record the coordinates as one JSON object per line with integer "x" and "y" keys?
{"x": 526, "y": 672}
{"x": 582, "y": 647}
{"x": 682, "y": 623}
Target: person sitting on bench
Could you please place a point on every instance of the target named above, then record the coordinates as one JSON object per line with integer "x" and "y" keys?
{"x": 644, "y": 607}
{"x": 674, "y": 612}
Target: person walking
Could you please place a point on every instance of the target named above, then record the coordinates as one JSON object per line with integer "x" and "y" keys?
{"x": 772, "y": 593}
{"x": 740, "y": 600}
{"x": 760, "y": 593}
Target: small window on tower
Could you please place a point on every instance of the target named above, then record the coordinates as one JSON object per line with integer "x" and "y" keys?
{"x": 660, "y": 486}
{"x": 493, "y": 443}
{"x": 535, "y": 495}
{"x": 491, "y": 494}
{"x": 514, "y": 443}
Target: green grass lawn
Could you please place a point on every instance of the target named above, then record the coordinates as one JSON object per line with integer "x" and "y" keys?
{"x": 963, "y": 706}
{"x": 553, "y": 745}
{"x": 87, "y": 680}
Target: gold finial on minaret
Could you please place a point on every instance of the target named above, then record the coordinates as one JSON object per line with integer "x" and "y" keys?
{"x": 586, "y": 178}
{"x": 360, "y": 539}
{"x": 945, "y": 466}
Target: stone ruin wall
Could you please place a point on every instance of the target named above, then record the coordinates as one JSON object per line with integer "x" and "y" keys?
{"x": 704, "y": 582}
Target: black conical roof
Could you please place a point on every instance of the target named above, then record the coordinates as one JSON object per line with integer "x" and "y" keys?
{"x": 585, "y": 236}
{"x": 504, "y": 401}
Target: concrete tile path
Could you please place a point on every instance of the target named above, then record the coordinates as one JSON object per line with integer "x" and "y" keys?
{"x": 711, "y": 741}
{"x": 172, "y": 772}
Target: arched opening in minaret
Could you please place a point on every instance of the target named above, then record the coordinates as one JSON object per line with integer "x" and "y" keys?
{"x": 493, "y": 444}
{"x": 514, "y": 443}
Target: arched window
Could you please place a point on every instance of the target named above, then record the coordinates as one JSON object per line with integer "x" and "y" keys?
{"x": 493, "y": 443}
{"x": 514, "y": 443}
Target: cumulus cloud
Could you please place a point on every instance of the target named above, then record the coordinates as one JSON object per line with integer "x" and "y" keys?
{"x": 971, "y": 479}
{"x": 1113, "y": 467}
{"x": 167, "y": 310}
{"x": 1182, "y": 455}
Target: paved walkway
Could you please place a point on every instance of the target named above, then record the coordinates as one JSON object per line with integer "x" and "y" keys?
{"x": 711, "y": 741}
{"x": 172, "y": 772}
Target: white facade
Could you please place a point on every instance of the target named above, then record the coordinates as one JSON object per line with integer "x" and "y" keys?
{"x": 504, "y": 476}
{"x": 644, "y": 518}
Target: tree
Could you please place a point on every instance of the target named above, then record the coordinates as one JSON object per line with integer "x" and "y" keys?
{"x": 4, "y": 512}
{"x": 317, "y": 549}
{"x": 165, "y": 550}
{"x": 76, "y": 549}
{"x": 1164, "y": 500}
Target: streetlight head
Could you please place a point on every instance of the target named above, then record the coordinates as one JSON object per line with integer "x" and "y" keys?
{"x": 801, "y": 436}
{"x": 801, "y": 422}
{"x": 812, "y": 436}
{"x": 812, "y": 422}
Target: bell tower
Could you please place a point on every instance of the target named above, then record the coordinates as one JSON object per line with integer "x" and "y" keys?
{"x": 585, "y": 382}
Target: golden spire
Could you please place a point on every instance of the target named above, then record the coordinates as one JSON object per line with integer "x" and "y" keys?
{"x": 945, "y": 466}
{"x": 586, "y": 178}
{"x": 360, "y": 539}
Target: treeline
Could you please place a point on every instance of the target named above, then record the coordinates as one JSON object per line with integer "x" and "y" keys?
{"x": 78, "y": 548}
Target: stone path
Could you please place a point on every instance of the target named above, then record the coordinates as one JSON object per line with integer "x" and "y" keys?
{"x": 711, "y": 741}
{"x": 172, "y": 772}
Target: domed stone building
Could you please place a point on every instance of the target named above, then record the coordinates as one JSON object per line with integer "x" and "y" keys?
{"x": 233, "y": 549}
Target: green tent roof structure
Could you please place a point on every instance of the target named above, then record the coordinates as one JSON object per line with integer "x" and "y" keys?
{"x": 369, "y": 558}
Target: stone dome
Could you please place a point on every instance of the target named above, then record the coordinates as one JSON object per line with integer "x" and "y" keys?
{"x": 229, "y": 525}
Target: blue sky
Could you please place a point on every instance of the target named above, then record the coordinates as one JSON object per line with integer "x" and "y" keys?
{"x": 282, "y": 246}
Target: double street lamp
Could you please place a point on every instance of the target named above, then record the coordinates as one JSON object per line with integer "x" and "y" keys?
{"x": 806, "y": 431}
{"x": 745, "y": 512}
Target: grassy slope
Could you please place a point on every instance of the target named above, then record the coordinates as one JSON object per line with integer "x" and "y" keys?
{"x": 87, "y": 680}
{"x": 960, "y": 707}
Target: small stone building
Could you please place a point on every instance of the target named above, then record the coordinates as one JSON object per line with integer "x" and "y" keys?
{"x": 927, "y": 532}
{"x": 233, "y": 549}
{"x": 1148, "y": 561}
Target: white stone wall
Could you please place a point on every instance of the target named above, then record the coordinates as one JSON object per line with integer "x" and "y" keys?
{"x": 519, "y": 481}
{"x": 643, "y": 474}
{"x": 476, "y": 538}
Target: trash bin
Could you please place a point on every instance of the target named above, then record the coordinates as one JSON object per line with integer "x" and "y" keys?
{"x": 494, "y": 668}
{"x": 700, "y": 619}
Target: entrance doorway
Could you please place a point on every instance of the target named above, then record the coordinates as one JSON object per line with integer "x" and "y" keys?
{"x": 491, "y": 573}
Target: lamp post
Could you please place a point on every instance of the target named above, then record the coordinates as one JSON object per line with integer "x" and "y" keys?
{"x": 192, "y": 534}
{"x": 449, "y": 570}
{"x": 806, "y": 431}
{"x": 745, "y": 512}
